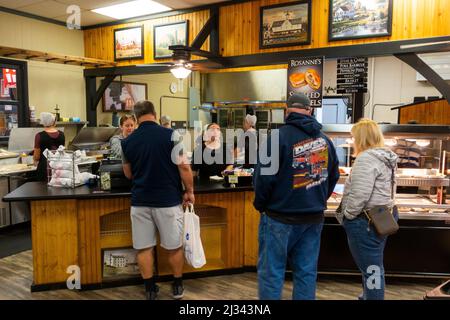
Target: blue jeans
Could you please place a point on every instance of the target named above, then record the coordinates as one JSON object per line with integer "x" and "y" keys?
{"x": 367, "y": 249}
{"x": 278, "y": 243}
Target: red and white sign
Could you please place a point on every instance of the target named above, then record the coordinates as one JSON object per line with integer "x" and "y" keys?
{"x": 9, "y": 81}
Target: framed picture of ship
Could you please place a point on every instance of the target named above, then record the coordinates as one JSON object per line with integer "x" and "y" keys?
{"x": 129, "y": 43}
{"x": 286, "y": 24}
{"x": 356, "y": 19}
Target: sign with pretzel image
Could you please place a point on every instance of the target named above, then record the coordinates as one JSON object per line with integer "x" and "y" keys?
{"x": 305, "y": 75}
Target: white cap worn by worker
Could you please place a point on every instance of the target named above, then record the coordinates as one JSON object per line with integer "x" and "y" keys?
{"x": 251, "y": 120}
{"x": 47, "y": 119}
{"x": 165, "y": 121}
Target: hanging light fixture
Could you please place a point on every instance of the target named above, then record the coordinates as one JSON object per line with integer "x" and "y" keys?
{"x": 179, "y": 71}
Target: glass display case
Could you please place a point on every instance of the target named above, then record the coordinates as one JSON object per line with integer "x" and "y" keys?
{"x": 422, "y": 177}
{"x": 421, "y": 247}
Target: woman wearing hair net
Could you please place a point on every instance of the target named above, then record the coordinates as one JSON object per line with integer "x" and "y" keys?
{"x": 249, "y": 142}
{"x": 51, "y": 139}
{"x": 166, "y": 122}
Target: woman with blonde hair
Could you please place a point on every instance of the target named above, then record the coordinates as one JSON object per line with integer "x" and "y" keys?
{"x": 371, "y": 183}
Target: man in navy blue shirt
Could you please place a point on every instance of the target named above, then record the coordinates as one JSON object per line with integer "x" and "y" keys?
{"x": 157, "y": 195}
{"x": 292, "y": 201}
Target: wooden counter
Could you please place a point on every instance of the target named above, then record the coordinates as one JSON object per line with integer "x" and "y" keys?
{"x": 74, "y": 226}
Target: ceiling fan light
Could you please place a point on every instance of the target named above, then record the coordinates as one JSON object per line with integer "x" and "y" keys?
{"x": 180, "y": 72}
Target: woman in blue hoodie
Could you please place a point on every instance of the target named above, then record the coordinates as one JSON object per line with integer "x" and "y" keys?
{"x": 371, "y": 183}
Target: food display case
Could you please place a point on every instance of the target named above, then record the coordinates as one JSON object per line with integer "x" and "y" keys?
{"x": 422, "y": 245}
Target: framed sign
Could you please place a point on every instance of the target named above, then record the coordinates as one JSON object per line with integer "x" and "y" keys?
{"x": 122, "y": 96}
{"x": 119, "y": 263}
{"x": 286, "y": 24}
{"x": 170, "y": 34}
{"x": 305, "y": 75}
{"x": 129, "y": 43}
{"x": 354, "y": 19}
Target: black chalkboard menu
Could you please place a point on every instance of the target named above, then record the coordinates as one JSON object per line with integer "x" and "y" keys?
{"x": 352, "y": 75}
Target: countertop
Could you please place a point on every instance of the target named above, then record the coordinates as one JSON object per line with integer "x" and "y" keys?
{"x": 32, "y": 191}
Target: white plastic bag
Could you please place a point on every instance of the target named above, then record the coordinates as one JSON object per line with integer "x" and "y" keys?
{"x": 193, "y": 248}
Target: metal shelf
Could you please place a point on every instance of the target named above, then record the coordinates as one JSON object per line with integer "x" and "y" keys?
{"x": 414, "y": 181}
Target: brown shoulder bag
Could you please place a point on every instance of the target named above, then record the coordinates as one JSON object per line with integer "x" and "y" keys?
{"x": 382, "y": 217}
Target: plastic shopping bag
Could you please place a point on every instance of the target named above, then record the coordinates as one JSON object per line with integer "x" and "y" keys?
{"x": 193, "y": 248}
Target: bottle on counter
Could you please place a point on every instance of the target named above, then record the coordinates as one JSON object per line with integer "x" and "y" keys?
{"x": 23, "y": 158}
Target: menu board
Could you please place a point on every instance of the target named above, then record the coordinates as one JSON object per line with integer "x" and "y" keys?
{"x": 305, "y": 76}
{"x": 352, "y": 75}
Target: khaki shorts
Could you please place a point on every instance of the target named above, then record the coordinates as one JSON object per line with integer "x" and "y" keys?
{"x": 146, "y": 221}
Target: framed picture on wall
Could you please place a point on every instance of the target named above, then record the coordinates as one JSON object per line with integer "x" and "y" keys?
{"x": 286, "y": 24}
{"x": 170, "y": 34}
{"x": 121, "y": 96}
{"x": 355, "y": 19}
{"x": 129, "y": 43}
{"x": 119, "y": 263}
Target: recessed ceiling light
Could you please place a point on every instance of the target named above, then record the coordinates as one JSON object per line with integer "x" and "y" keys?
{"x": 132, "y": 9}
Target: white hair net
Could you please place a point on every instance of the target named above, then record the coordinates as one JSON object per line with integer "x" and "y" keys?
{"x": 47, "y": 119}
{"x": 251, "y": 120}
{"x": 165, "y": 119}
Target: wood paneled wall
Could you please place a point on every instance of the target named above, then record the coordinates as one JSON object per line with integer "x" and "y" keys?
{"x": 239, "y": 25}
{"x": 100, "y": 42}
{"x": 239, "y": 28}
{"x": 435, "y": 112}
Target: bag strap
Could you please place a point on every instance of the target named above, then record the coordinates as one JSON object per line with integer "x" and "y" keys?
{"x": 392, "y": 179}
{"x": 189, "y": 208}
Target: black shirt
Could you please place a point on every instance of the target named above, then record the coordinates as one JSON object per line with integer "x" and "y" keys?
{"x": 156, "y": 180}
{"x": 218, "y": 157}
{"x": 50, "y": 141}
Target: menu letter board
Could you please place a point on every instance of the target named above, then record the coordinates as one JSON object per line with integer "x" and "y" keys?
{"x": 352, "y": 75}
{"x": 305, "y": 76}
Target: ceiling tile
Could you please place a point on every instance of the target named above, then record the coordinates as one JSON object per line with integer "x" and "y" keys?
{"x": 92, "y": 4}
{"x": 88, "y": 18}
{"x": 182, "y": 4}
{"x": 15, "y": 4}
{"x": 48, "y": 9}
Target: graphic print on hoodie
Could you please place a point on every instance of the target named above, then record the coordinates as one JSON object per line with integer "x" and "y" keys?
{"x": 310, "y": 163}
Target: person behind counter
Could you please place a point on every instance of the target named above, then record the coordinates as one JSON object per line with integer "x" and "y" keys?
{"x": 213, "y": 156}
{"x": 249, "y": 142}
{"x": 127, "y": 125}
{"x": 51, "y": 138}
{"x": 156, "y": 196}
{"x": 371, "y": 183}
{"x": 166, "y": 122}
{"x": 292, "y": 202}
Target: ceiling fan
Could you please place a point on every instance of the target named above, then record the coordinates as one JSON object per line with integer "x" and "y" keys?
{"x": 182, "y": 64}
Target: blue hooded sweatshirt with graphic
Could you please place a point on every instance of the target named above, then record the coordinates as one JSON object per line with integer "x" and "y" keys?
{"x": 308, "y": 169}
